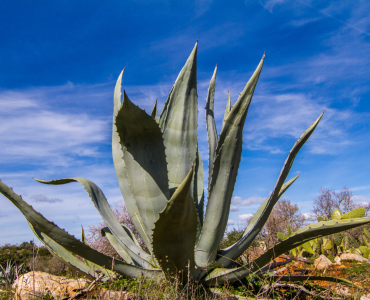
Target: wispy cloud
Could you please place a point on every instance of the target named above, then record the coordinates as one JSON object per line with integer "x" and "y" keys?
{"x": 251, "y": 200}
{"x": 271, "y": 4}
{"x": 32, "y": 132}
{"x": 234, "y": 208}
{"x": 43, "y": 199}
{"x": 309, "y": 216}
{"x": 243, "y": 219}
{"x": 302, "y": 22}
{"x": 360, "y": 198}
{"x": 360, "y": 188}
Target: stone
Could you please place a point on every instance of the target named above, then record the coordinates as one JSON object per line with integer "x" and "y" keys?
{"x": 39, "y": 284}
{"x": 343, "y": 291}
{"x": 364, "y": 298}
{"x": 338, "y": 261}
{"x": 350, "y": 256}
{"x": 322, "y": 262}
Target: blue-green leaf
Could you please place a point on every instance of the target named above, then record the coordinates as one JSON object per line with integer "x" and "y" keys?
{"x": 223, "y": 177}
{"x": 121, "y": 172}
{"x": 70, "y": 243}
{"x": 174, "y": 234}
{"x": 101, "y": 204}
{"x": 211, "y": 125}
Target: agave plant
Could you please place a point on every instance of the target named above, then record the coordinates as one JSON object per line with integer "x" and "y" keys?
{"x": 160, "y": 174}
{"x": 10, "y": 273}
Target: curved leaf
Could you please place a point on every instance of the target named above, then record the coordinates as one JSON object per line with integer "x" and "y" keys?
{"x": 223, "y": 177}
{"x": 70, "y": 243}
{"x": 303, "y": 235}
{"x": 175, "y": 232}
{"x": 101, "y": 204}
{"x": 211, "y": 125}
{"x": 198, "y": 190}
{"x": 306, "y": 234}
{"x": 69, "y": 259}
{"x": 145, "y": 160}
{"x": 121, "y": 172}
{"x": 315, "y": 278}
{"x": 113, "y": 241}
{"x": 227, "y": 110}
{"x": 154, "y": 113}
{"x": 231, "y": 253}
{"x": 260, "y": 218}
{"x": 179, "y": 121}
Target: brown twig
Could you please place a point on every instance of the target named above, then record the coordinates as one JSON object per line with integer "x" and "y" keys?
{"x": 294, "y": 286}
{"x": 87, "y": 290}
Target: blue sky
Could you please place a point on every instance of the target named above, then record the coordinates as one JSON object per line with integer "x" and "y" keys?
{"x": 60, "y": 60}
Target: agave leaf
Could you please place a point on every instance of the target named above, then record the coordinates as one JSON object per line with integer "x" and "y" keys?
{"x": 260, "y": 218}
{"x": 83, "y": 240}
{"x": 122, "y": 175}
{"x": 178, "y": 122}
{"x": 198, "y": 188}
{"x": 68, "y": 258}
{"x": 211, "y": 125}
{"x": 101, "y": 204}
{"x": 174, "y": 234}
{"x": 301, "y": 236}
{"x": 145, "y": 160}
{"x": 70, "y": 243}
{"x": 106, "y": 230}
{"x": 154, "y": 113}
{"x": 355, "y": 213}
{"x": 314, "y": 278}
{"x": 120, "y": 250}
{"x": 336, "y": 215}
{"x": 83, "y": 237}
{"x": 306, "y": 234}
{"x": 234, "y": 251}
{"x": 228, "y": 109}
{"x": 223, "y": 177}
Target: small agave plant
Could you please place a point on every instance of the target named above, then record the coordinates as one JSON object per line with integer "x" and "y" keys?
{"x": 160, "y": 174}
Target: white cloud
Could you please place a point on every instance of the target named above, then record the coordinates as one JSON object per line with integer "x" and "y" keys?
{"x": 234, "y": 208}
{"x": 43, "y": 198}
{"x": 251, "y": 200}
{"x": 31, "y": 131}
{"x": 230, "y": 222}
{"x": 360, "y": 198}
{"x": 360, "y": 188}
{"x": 243, "y": 219}
{"x": 309, "y": 216}
{"x": 271, "y": 4}
{"x": 302, "y": 22}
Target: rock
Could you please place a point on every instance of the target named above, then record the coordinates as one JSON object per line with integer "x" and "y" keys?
{"x": 322, "y": 262}
{"x": 115, "y": 295}
{"x": 364, "y": 298}
{"x": 343, "y": 291}
{"x": 337, "y": 260}
{"x": 349, "y": 256}
{"x": 45, "y": 284}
